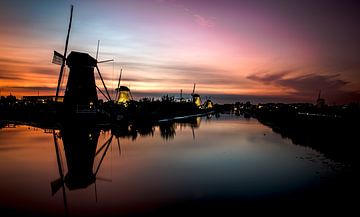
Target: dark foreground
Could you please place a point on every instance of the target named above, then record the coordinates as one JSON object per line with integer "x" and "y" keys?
{"x": 223, "y": 165}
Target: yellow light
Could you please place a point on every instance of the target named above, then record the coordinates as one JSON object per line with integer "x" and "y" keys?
{"x": 124, "y": 97}
{"x": 197, "y": 101}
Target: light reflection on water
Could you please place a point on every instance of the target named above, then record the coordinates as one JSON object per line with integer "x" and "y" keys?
{"x": 226, "y": 158}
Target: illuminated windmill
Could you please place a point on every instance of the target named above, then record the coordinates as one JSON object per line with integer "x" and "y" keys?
{"x": 123, "y": 94}
{"x": 208, "y": 104}
{"x": 80, "y": 94}
{"x": 196, "y": 97}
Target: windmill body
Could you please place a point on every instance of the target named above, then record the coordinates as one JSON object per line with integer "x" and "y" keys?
{"x": 81, "y": 87}
{"x": 80, "y": 147}
{"x": 124, "y": 95}
{"x": 196, "y": 97}
{"x": 208, "y": 104}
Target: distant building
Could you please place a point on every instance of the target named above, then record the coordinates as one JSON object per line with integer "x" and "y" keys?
{"x": 8, "y": 99}
{"x": 41, "y": 99}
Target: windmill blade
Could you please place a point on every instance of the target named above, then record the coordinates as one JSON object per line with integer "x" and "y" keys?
{"x": 105, "y": 61}
{"x": 131, "y": 95}
{"x": 65, "y": 51}
{"x": 118, "y": 142}
{"x": 96, "y": 195}
{"x": 97, "y": 49}
{"x": 103, "y": 156}
{"x": 97, "y": 54}
{"x": 118, "y": 86}
{"x": 56, "y": 185}
{"x": 102, "y": 80}
{"x": 58, "y": 157}
{"x": 102, "y": 92}
{"x": 58, "y": 58}
{"x": 102, "y": 147}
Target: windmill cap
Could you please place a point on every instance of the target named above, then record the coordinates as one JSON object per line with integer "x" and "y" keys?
{"x": 80, "y": 59}
{"x": 122, "y": 88}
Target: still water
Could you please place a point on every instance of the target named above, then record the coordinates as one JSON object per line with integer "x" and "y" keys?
{"x": 207, "y": 162}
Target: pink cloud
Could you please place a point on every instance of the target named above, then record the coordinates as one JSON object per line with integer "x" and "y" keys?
{"x": 199, "y": 19}
{"x": 202, "y": 21}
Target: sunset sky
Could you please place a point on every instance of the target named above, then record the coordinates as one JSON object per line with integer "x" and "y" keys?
{"x": 279, "y": 50}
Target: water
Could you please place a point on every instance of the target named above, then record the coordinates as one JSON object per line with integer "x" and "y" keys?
{"x": 225, "y": 162}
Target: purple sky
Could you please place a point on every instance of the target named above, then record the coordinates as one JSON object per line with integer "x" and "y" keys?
{"x": 269, "y": 50}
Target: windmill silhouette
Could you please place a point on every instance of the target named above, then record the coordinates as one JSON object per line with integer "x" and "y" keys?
{"x": 81, "y": 89}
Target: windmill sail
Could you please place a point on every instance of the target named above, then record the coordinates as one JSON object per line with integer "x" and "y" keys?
{"x": 56, "y": 185}
{"x": 65, "y": 51}
{"x": 58, "y": 58}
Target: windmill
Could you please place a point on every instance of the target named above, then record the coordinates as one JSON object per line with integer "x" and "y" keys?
{"x": 181, "y": 99}
{"x": 81, "y": 89}
{"x": 208, "y": 104}
{"x": 320, "y": 102}
{"x": 196, "y": 97}
{"x": 123, "y": 93}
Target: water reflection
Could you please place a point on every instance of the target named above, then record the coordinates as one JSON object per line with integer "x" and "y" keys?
{"x": 80, "y": 144}
{"x": 80, "y": 150}
{"x": 227, "y": 163}
{"x": 167, "y": 128}
{"x": 80, "y": 147}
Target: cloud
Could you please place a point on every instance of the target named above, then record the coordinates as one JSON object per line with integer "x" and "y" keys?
{"x": 9, "y": 77}
{"x": 309, "y": 83}
{"x": 183, "y": 67}
{"x": 307, "y": 86}
{"x": 268, "y": 78}
{"x": 202, "y": 21}
{"x": 180, "y": 73}
{"x": 33, "y": 88}
{"x": 28, "y": 90}
{"x": 199, "y": 19}
{"x": 4, "y": 60}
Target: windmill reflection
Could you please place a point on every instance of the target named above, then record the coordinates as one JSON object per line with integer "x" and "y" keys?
{"x": 168, "y": 128}
{"x": 80, "y": 151}
{"x": 80, "y": 147}
{"x": 133, "y": 131}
